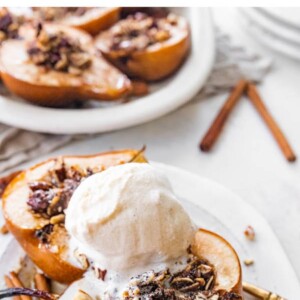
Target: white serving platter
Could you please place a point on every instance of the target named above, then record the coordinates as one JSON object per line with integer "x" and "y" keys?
{"x": 214, "y": 207}
{"x": 165, "y": 97}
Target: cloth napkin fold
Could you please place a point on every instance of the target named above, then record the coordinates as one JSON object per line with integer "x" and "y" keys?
{"x": 232, "y": 63}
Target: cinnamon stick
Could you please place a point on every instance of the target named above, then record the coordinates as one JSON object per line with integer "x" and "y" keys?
{"x": 17, "y": 283}
{"x": 41, "y": 282}
{"x": 214, "y": 131}
{"x": 270, "y": 122}
{"x": 10, "y": 284}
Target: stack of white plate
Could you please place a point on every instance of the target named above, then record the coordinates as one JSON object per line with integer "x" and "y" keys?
{"x": 276, "y": 27}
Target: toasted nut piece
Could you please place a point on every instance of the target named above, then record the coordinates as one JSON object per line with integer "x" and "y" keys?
{"x": 182, "y": 280}
{"x": 82, "y": 259}
{"x": 205, "y": 269}
{"x": 201, "y": 281}
{"x": 249, "y": 233}
{"x": 248, "y": 262}
{"x": 209, "y": 282}
{"x": 57, "y": 219}
{"x": 190, "y": 288}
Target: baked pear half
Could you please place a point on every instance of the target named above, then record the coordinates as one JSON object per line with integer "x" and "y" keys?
{"x": 90, "y": 19}
{"x": 34, "y": 203}
{"x": 146, "y": 46}
{"x": 58, "y": 65}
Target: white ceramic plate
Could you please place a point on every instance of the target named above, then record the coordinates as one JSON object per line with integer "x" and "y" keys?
{"x": 269, "y": 39}
{"x": 216, "y": 208}
{"x": 166, "y": 97}
{"x": 281, "y": 31}
{"x": 289, "y": 16}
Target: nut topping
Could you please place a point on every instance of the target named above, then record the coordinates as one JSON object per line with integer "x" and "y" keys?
{"x": 57, "y": 219}
{"x": 9, "y": 25}
{"x": 58, "y": 13}
{"x": 50, "y": 195}
{"x": 194, "y": 282}
{"x": 58, "y": 52}
{"x": 139, "y": 31}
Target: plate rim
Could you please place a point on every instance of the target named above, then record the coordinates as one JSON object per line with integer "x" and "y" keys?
{"x": 27, "y": 116}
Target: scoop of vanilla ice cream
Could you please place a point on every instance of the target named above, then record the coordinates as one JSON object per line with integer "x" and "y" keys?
{"x": 126, "y": 216}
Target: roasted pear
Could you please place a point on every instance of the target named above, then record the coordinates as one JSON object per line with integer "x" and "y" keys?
{"x": 56, "y": 65}
{"x": 34, "y": 203}
{"x": 146, "y": 47}
{"x": 89, "y": 19}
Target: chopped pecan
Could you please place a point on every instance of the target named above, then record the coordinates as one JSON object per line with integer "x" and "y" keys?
{"x": 9, "y": 25}
{"x": 139, "y": 31}
{"x": 58, "y": 52}
{"x": 249, "y": 233}
{"x": 39, "y": 200}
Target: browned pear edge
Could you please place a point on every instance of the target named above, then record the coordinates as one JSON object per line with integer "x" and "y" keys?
{"x": 104, "y": 21}
{"x": 51, "y": 263}
{"x": 207, "y": 235}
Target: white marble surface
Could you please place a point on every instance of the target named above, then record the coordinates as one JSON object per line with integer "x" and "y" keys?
{"x": 246, "y": 159}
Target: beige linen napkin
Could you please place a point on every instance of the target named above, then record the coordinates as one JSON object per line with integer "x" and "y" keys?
{"x": 232, "y": 63}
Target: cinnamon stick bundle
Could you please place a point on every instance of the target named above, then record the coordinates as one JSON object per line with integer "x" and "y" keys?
{"x": 249, "y": 88}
